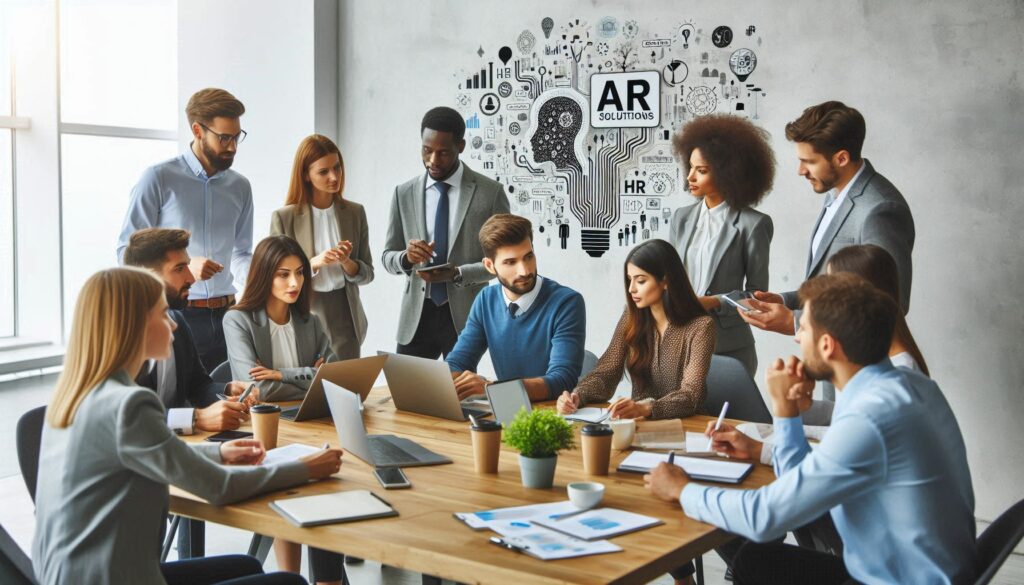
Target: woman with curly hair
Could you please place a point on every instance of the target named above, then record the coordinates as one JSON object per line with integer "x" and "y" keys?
{"x": 723, "y": 242}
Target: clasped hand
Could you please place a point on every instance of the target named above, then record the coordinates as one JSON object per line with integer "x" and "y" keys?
{"x": 260, "y": 372}
{"x": 335, "y": 255}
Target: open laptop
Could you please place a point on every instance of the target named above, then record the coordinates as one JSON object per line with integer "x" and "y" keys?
{"x": 376, "y": 450}
{"x": 425, "y": 387}
{"x": 357, "y": 375}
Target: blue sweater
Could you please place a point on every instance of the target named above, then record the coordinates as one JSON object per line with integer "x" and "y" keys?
{"x": 546, "y": 342}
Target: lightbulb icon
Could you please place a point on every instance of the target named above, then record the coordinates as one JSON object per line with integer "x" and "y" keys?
{"x": 547, "y": 25}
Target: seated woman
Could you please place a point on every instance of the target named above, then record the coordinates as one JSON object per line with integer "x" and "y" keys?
{"x": 664, "y": 338}
{"x": 274, "y": 340}
{"x": 108, "y": 457}
{"x": 272, "y": 337}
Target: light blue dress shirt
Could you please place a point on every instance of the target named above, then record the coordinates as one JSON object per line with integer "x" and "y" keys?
{"x": 892, "y": 470}
{"x": 217, "y": 210}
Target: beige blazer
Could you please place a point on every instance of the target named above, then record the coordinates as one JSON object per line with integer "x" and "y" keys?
{"x": 296, "y": 222}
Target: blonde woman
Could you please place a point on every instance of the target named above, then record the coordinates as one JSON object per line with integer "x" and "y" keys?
{"x": 334, "y": 236}
{"x": 108, "y": 456}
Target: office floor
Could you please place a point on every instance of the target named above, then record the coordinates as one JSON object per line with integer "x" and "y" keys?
{"x": 16, "y": 513}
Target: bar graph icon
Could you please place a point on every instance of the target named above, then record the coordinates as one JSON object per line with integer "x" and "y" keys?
{"x": 473, "y": 122}
{"x": 482, "y": 80}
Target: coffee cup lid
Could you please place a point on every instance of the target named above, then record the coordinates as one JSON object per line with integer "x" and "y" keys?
{"x": 264, "y": 408}
{"x": 486, "y": 425}
{"x": 596, "y": 430}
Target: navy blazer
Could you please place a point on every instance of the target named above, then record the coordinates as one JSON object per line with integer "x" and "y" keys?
{"x": 194, "y": 386}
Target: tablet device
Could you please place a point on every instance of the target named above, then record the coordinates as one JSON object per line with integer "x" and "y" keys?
{"x": 507, "y": 397}
{"x": 740, "y": 301}
{"x": 445, "y": 266}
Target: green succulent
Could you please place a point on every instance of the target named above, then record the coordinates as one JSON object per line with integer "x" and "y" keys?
{"x": 538, "y": 434}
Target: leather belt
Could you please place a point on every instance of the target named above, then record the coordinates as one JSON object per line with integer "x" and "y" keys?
{"x": 214, "y": 303}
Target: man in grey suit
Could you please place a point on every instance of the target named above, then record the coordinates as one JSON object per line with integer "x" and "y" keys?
{"x": 432, "y": 238}
{"x": 861, "y": 207}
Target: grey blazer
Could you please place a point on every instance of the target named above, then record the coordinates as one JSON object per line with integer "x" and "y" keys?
{"x": 247, "y": 335}
{"x": 102, "y": 496}
{"x": 296, "y": 222}
{"x": 479, "y": 199}
{"x": 739, "y": 262}
{"x": 873, "y": 212}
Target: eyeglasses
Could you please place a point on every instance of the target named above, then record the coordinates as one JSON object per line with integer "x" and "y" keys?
{"x": 226, "y": 139}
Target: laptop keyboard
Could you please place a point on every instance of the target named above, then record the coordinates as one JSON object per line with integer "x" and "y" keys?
{"x": 290, "y": 413}
{"x": 474, "y": 412}
{"x": 385, "y": 453}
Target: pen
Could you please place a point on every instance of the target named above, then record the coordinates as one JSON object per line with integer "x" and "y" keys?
{"x": 506, "y": 544}
{"x": 326, "y": 445}
{"x": 718, "y": 424}
{"x": 671, "y": 457}
{"x": 247, "y": 392}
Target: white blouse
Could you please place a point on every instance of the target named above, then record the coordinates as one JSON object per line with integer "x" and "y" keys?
{"x": 702, "y": 246}
{"x": 326, "y": 235}
{"x": 282, "y": 344}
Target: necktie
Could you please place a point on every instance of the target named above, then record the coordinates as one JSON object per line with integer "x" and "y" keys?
{"x": 513, "y": 309}
{"x": 439, "y": 292}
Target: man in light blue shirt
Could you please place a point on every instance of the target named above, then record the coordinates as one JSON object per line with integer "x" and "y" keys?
{"x": 892, "y": 469}
{"x": 197, "y": 191}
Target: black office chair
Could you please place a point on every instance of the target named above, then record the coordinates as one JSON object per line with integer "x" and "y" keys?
{"x": 998, "y": 542}
{"x": 15, "y": 566}
{"x": 222, "y": 373}
{"x": 29, "y": 439}
{"x": 728, "y": 381}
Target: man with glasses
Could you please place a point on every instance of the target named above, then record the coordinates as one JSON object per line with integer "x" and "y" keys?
{"x": 197, "y": 191}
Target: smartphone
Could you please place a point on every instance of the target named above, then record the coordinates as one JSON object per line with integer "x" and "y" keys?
{"x": 445, "y": 266}
{"x": 392, "y": 478}
{"x": 740, "y": 300}
{"x": 225, "y": 436}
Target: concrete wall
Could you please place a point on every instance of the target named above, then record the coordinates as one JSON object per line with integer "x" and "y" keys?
{"x": 940, "y": 85}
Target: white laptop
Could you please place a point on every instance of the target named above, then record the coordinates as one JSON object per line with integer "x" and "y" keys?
{"x": 357, "y": 375}
{"x": 425, "y": 387}
{"x": 376, "y": 450}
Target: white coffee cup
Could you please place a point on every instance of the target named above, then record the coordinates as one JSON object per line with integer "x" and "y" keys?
{"x": 623, "y": 431}
{"x": 585, "y": 494}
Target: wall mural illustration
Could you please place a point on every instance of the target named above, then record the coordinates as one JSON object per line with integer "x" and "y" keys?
{"x": 576, "y": 119}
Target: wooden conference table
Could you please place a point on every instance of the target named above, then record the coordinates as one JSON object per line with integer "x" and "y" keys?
{"x": 426, "y": 538}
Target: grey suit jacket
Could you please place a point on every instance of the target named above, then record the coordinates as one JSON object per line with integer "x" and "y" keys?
{"x": 739, "y": 262}
{"x": 873, "y": 212}
{"x": 296, "y": 222}
{"x": 479, "y": 199}
{"x": 102, "y": 497}
{"x": 247, "y": 335}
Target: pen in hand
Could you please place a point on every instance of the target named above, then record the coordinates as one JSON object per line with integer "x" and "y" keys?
{"x": 718, "y": 424}
{"x": 671, "y": 457}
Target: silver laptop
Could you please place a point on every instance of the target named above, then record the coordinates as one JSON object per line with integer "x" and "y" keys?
{"x": 425, "y": 387}
{"x": 376, "y": 450}
{"x": 357, "y": 375}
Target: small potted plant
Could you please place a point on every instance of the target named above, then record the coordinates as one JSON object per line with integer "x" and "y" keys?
{"x": 538, "y": 436}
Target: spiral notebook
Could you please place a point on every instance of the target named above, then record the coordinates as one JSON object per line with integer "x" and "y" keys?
{"x": 335, "y": 508}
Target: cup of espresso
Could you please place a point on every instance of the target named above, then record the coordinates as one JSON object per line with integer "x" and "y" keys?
{"x": 624, "y": 430}
{"x": 597, "y": 448}
{"x": 264, "y": 423}
{"x": 486, "y": 435}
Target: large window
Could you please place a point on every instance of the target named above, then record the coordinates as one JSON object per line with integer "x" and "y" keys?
{"x": 118, "y": 98}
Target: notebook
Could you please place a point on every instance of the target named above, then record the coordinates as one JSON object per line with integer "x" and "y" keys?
{"x": 598, "y": 524}
{"x": 695, "y": 468}
{"x": 589, "y": 414}
{"x": 333, "y": 508}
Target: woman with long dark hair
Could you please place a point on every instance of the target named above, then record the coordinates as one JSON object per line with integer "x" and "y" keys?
{"x": 877, "y": 266}
{"x": 274, "y": 340}
{"x": 664, "y": 338}
{"x": 333, "y": 233}
{"x": 723, "y": 241}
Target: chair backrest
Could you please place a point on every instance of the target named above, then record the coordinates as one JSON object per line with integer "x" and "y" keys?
{"x": 998, "y": 542}
{"x": 29, "y": 438}
{"x": 728, "y": 381}
{"x": 222, "y": 373}
{"x": 15, "y": 566}
{"x": 589, "y": 361}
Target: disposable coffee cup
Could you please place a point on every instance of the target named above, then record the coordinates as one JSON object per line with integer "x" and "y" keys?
{"x": 486, "y": 435}
{"x": 264, "y": 423}
{"x": 597, "y": 448}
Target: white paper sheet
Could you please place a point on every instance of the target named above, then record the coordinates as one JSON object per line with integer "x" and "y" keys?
{"x": 288, "y": 453}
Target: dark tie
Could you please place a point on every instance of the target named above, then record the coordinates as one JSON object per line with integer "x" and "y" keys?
{"x": 439, "y": 291}
{"x": 513, "y": 309}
